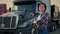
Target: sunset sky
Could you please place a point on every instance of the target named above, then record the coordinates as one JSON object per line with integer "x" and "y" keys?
{"x": 10, "y": 3}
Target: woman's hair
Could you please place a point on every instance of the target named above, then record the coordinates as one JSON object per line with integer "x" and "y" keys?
{"x": 41, "y": 3}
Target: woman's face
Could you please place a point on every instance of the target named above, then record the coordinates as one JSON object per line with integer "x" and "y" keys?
{"x": 41, "y": 8}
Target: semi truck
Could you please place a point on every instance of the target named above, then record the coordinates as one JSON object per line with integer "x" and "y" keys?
{"x": 3, "y": 8}
{"x": 54, "y": 17}
{"x": 19, "y": 20}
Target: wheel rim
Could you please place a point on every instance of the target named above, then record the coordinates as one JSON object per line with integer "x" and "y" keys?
{"x": 53, "y": 28}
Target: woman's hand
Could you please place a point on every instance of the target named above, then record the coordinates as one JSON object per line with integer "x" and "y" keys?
{"x": 35, "y": 24}
{"x": 34, "y": 21}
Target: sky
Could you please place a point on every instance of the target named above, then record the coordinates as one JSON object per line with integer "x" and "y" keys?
{"x": 10, "y": 3}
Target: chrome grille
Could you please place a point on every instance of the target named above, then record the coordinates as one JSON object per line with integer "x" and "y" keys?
{"x": 0, "y": 21}
{"x": 8, "y": 22}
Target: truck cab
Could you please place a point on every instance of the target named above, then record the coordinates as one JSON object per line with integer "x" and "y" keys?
{"x": 20, "y": 18}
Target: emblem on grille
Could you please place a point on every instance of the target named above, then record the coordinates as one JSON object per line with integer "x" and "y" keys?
{"x": 2, "y": 25}
{"x": 20, "y": 33}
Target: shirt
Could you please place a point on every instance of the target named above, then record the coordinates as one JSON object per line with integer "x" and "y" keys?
{"x": 42, "y": 19}
{"x": 39, "y": 17}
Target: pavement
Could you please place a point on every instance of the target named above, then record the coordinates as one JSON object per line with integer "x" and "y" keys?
{"x": 55, "y": 32}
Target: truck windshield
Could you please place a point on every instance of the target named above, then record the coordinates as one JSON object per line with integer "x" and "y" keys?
{"x": 19, "y": 6}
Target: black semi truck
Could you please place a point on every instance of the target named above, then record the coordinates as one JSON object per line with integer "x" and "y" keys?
{"x": 19, "y": 20}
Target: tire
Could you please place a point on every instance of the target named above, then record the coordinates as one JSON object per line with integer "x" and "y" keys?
{"x": 53, "y": 28}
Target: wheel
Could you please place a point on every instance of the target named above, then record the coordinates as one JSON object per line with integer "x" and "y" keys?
{"x": 53, "y": 28}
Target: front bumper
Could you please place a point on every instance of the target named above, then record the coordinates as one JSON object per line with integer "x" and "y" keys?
{"x": 26, "y": 30}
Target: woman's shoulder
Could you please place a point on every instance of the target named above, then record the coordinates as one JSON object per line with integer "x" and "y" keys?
{"x": 46, "y": 13}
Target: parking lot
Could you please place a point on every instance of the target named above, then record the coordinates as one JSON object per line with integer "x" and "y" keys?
{"x": 55, "y": 32}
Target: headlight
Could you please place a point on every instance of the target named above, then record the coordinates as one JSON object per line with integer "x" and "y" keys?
{"x": 23, "y": 25}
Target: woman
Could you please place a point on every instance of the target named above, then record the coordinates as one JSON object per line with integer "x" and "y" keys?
{"x": 42, "y": 19}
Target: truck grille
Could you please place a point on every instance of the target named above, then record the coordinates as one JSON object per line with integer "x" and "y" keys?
{"x": 8, "y": 22}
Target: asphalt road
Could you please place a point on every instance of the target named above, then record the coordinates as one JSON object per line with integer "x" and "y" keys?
{"x": 55, "y": 32}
